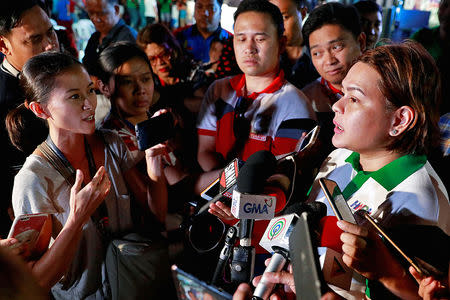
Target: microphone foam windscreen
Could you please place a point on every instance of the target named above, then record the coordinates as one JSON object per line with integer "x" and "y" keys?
{"x": 253, "y": 174}
{"x": 317, "y": 209}
{"x": 330, "y": 236}
{"x": 296, "y": 207}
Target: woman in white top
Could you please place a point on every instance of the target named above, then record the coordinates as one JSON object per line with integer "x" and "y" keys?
{"x": 385, "y": 125}
{"x": 60, "y": 91}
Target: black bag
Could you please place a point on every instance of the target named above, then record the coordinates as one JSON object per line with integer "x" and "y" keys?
{"x": 138, "y": 268}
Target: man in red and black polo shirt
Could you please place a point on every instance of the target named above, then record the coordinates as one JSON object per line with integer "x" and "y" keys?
{"x": 256, "y": 110}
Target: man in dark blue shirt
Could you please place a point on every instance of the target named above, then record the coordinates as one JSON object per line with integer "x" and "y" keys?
{"x": 295, "y": 61}
{"x": 25, "y": 31}
{"x": 110, "y": 28}
{"x": 196, "y": 39}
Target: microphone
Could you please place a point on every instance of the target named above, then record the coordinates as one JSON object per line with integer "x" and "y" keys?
{"x": 222, "y": 188}
{"x": 225, "y": 254}
{"x": 252, "y": 177}
{"x": 276, "y": 239}
{"x": 270, "y": 197}
{"x": 258, "y": 207}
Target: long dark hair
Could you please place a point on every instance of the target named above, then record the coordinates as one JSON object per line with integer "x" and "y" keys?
{"x": 37, "y": 80}
{"x": 116, "y": 55}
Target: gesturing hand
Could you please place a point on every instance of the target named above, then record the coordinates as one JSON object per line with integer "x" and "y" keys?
{"x": 84, "y": 201}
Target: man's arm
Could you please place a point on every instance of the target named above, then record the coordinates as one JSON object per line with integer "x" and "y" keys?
{"x": 207, "y": 156}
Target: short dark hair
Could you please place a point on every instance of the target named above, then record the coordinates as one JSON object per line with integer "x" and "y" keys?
{"x": 113, "y": 2}
{"x": 409, "y": 76}
{"x": 262, "y": 6}
{"x": 367, "y": 7}
{"x": 220, "y": 2}
{"x": 332, "y": 13}
{"x": 116, "y": 55}
{"x": 11, "y": 13}
{"x": 302, "y": 3}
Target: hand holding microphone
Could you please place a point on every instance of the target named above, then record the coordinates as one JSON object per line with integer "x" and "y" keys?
{"x": 276, "y": 241}
{"x": 250, "y": 183}
{"x": 283, "y": 277}
{"x": 221, "y": 210}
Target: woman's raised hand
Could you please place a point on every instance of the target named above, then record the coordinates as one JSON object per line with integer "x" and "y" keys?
{"x": 155, "y": 162}
{"x": 157, "y": 155}
{"x": 85, "y": 200}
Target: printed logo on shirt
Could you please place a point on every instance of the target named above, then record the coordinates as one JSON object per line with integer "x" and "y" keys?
{"x": 258, "y": 137}
{"x": 356, "y": 205}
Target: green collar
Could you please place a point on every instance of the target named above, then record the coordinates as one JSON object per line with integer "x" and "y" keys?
{"x": 388, "y": 176}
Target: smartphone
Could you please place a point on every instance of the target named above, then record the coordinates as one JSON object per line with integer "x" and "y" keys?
{"x": 33, "y": 231}
{"x": 190, "y": 287}
{"x": 337, "y": 202}
{"x": 211, "y": 191}
{"x": 304, "y": 143}
{"x": 308, "y": 277}
{"x": 222, "y": 188}
{"x": 308, "y": 140}
{"x": 418, "y": 264}
{"x": 154, "y": 131}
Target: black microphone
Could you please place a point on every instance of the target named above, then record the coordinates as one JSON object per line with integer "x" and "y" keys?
{"x": 252, "y": 177}
{"x": 225, "y": 254}
{"x": 276, "y": 239}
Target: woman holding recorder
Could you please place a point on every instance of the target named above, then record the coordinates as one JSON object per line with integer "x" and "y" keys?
{"x": 385, "y": 125}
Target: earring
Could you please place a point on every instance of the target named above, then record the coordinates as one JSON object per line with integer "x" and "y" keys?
{"x": 394, "y": 132}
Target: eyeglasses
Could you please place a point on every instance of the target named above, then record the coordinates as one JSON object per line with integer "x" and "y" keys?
{"x": 165, "y": 55}
{"x": 100, "y": 14}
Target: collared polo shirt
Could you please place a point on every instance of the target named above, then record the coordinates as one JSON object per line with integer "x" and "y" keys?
{"x": 278, "y": 115}
{"x": 405, "y": 191}
{"x": 195, "y": 44}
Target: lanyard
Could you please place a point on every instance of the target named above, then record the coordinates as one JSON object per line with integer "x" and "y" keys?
{"x": 100, "y": 216}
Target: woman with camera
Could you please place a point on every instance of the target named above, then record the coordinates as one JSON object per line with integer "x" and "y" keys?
{"x": 179, "y": 80}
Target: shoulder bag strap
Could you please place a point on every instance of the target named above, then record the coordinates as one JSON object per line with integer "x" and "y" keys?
{"x": 57, "y": 160}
